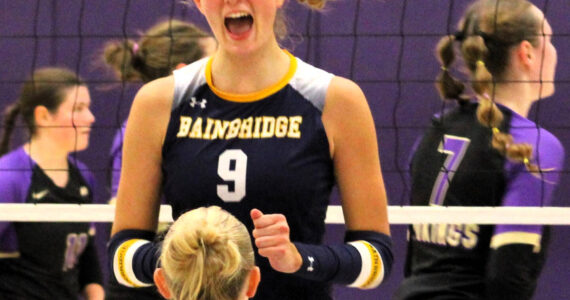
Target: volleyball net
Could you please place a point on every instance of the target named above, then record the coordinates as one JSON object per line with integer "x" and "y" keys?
{"x": 384, "y": 46}
{"x": 397, "y": 214}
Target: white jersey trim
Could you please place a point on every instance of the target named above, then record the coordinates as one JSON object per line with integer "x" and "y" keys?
{"x": 312, "y": 83}
{"x": 188, "y": 79}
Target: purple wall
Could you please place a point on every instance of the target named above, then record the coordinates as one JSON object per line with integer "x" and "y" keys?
{"x": 386, "y": 46}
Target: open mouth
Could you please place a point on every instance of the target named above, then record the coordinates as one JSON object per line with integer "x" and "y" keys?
{"x": 238, "y": 23}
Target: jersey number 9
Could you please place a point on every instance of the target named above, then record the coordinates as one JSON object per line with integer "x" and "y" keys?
{"x": 235, "y": 173}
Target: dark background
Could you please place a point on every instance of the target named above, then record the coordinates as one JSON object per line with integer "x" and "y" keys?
{"x": 385, "y": 46}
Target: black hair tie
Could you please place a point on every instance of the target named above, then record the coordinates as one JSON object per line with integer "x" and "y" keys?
{"x": 459, "y": 36}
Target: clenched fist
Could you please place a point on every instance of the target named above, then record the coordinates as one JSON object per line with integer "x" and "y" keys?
{"x": 271, "y": 235}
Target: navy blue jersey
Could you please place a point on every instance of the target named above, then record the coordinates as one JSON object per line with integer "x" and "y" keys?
{"x": 455, "y": 165}
{"x": 44, "y": 260}
{"x": 266, "y": 150}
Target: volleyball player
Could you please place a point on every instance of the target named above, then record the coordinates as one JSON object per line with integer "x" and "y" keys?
{"x": 164, "y": 47}
{"x": 41, "y": 260}
{"x": 207, "y": 254}
{"x": 265, "y": 136}
{"x": 486, "y": 154}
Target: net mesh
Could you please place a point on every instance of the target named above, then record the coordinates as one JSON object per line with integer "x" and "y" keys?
{"x": 384, "y": 46}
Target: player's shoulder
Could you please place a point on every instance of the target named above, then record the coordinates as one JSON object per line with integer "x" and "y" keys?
{"x": 345, "y": 94}
{"x": 548, "y": 151}
{"x": 154, "y": 97}
{"x": 15, "y": 175}
{"x": 15, "y": 158}
{"x": 310, "y": 82}
{"x": 306, "y": 73}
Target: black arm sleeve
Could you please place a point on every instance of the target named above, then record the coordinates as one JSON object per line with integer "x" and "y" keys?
{"x": 89, "y": 267}
{"x": 512, "y": 272}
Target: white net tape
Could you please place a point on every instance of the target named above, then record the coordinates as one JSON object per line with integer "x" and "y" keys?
{"x": 397, "y": 214}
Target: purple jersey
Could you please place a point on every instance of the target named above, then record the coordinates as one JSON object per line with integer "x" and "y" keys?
{"x": 117, "y": 159}
{"x": 44, "y": 260}
{"x": 455, "y": 165}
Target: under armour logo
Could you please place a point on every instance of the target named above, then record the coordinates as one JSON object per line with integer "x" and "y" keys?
{"x": 201, "y": 103}
{"x": 310, "y": 268}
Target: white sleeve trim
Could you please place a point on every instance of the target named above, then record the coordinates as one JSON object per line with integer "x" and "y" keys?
{"x": 372, "y": 269}
{"x": 123, "y": 263}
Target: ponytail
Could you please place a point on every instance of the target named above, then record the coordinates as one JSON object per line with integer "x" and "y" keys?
{"x": 207, "y": 254}
{"x": 157, "y": 53}
{"x": 447, "y": 85}
{"x": 123, "y": 58}
{"x": 10, "y": 116}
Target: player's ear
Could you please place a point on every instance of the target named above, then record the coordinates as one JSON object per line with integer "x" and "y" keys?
{"x": 41, "y": 115}
{"x": 254, "y": 278}
{"x": 180, "y": 66}
{"x": 524, "y": 52}
{"x": 160, "y": 282}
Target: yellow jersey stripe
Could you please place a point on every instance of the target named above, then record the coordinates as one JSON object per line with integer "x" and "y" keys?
{"x": 255, "y": 96}
{"x": 9, "y": 254}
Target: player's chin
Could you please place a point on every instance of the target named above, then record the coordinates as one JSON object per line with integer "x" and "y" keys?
{"x": 81, "y": 144}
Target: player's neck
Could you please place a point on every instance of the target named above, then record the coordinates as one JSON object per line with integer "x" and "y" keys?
{"x": 47, "y": 154}
{"x": 514, "y": 96}
{"x": 251, "y": 73}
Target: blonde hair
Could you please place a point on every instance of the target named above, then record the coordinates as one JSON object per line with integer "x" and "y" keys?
{"x": 206, "y": 255}
{"x": 280, "y": 26}
{"x": 157, "y": 53}
{"x": 487, "y": 32}
{"x": 314, "y": 4}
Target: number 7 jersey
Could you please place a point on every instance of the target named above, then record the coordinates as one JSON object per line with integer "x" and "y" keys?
{"x": 265, "y": 150}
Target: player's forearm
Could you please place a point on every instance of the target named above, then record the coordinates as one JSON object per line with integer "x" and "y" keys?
{"x": 364, "y": 262}
{"x": 512, "y": 272}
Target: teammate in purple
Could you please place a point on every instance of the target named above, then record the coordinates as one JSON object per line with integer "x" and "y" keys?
{"x": 48, "y": 260}
{"x": 486, "y": 153}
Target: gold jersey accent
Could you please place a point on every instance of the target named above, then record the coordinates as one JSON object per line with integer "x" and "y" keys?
{"x": 454, "y": 235}
{"x": 261, "y": 127}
